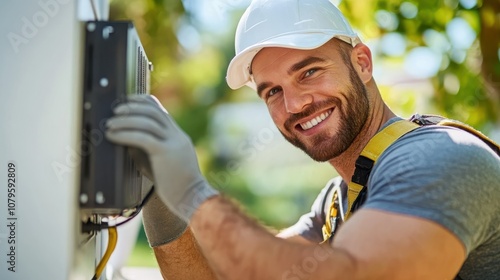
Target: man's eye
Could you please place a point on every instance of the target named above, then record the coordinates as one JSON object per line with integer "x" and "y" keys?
{"x": 273, "y": 91}
{"x": 310, "y": 72}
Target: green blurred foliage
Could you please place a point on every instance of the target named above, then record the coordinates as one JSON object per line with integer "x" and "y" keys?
{"x": 466, "y": 89}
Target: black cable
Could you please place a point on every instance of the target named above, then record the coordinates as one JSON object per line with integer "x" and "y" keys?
{"x": 139, "y": 208}
{"x": 90, "y": 226}
{"x": 94, "y": 10}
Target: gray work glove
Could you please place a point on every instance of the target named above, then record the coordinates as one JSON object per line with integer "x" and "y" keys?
{"x": 142, "y": 122}
{"x": 160, "y": 224}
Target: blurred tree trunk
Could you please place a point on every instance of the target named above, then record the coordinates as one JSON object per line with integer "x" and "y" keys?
{"x": 489, "y": 38}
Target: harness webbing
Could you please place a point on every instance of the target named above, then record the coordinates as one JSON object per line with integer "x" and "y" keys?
{"x": 376, "y": 146}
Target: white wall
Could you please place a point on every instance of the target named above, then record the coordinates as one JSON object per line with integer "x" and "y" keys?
{"x": 40, "y": 113}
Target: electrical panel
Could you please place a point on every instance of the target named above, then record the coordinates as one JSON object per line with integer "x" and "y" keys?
{"x": 116, "y": 66}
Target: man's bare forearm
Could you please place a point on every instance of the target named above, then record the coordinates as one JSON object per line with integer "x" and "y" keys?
{"x": 238, "y": 248}
{"x": 182, "y": 259}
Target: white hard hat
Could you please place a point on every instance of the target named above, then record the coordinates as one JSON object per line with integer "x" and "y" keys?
{"x": 296, "y": 24}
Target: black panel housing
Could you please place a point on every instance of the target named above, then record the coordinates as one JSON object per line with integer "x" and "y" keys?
{"x": 116, "y": 66}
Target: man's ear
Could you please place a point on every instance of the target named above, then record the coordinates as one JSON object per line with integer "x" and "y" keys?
{"x": 361, "y": 58}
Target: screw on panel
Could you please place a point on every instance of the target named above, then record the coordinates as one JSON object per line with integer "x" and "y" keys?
{"x": 104, "y": 82}
{"x": 91, "y": 27}
{"x": 107, "y": 31}
{"x": 87, "y": 105}
{"x": 99, "y": 198}
{"x": 84, "y": 198}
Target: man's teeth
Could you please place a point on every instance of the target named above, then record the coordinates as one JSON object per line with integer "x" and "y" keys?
{"x": 312, "y": 123}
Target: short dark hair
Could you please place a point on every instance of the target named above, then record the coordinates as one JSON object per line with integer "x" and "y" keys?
{"x": 345, "y": 50}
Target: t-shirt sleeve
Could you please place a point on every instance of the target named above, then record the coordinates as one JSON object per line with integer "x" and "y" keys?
{"x": 310, "y": 224}
{"x": 442, "y": 174}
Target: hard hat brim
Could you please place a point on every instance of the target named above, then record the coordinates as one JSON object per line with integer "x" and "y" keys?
{"x": 238, "y": 72}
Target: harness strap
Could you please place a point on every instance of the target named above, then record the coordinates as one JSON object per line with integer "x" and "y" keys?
{"x": 375, "y": 147}
{"x": 364, "y": 164}
{"x": 493, "y": 145}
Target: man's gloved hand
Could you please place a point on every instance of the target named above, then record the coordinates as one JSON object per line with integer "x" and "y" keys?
{"x": 143, "y": 123}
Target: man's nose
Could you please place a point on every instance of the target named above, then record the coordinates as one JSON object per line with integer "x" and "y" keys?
{"x": 296, "y": 100}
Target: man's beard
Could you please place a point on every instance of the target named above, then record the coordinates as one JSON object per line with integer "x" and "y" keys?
{"x": 353, "y": 117}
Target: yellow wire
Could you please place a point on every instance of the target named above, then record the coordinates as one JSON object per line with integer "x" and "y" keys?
{"x": 112, "y": 239}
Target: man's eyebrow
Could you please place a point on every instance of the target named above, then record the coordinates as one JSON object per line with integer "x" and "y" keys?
{"x": 303, "y": 63}
{"x": 261, "y": 87}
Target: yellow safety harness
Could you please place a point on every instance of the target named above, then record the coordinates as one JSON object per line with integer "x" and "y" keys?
{"x": 356, "y": 189}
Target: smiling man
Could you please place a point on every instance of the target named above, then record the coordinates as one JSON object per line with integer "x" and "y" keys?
{"x": 431, "y": 207}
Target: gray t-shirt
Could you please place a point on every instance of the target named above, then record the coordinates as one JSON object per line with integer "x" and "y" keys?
{"x": 439, "y": 173}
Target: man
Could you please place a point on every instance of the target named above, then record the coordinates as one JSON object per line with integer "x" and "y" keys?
{"x": 432, "y": 206}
